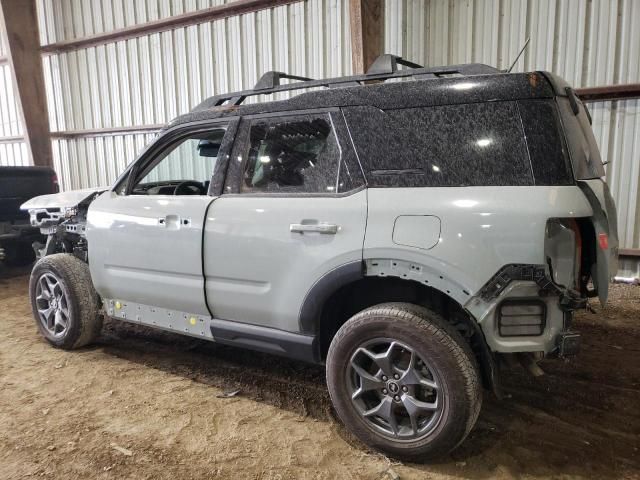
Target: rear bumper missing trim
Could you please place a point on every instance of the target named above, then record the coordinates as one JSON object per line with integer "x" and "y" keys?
{"x": 520, "y": 309}
{"x": 569, "y": 299}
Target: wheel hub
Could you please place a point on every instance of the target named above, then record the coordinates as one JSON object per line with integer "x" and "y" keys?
{"x": 52, "y": 303}
{"x": 394, "y": 390}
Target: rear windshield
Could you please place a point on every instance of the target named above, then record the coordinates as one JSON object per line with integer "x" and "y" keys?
{"x": 583, "y": 149}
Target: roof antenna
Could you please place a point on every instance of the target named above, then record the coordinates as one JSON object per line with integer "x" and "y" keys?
{"x": 519, "y": 55}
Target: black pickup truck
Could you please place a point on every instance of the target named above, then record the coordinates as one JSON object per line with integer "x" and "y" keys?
{"x": 17, "y": 185}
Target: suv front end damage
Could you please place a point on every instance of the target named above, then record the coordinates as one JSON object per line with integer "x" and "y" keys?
{"x": 62, "y": 219}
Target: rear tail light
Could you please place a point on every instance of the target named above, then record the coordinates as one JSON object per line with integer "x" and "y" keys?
{"x": 563, "y": 251}
{"x": 520, "y": 318}
{"x": 603, "y": 240}
{"x": 55, "y": 186}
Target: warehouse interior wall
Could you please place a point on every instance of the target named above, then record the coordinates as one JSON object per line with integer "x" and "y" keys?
{"x": 13, "y": 149}
{"x": 148, "y": 80}
{"x": 588, "y": 43}
{"x": 152, "y": 79}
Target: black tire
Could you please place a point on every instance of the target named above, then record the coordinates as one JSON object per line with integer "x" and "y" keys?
{"x": 443, "y": 354}
{"x": 77, "y": 298}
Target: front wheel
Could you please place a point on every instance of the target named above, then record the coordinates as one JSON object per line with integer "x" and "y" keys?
{"x": 64, "y": 302}
{"x": 404, "y": 381}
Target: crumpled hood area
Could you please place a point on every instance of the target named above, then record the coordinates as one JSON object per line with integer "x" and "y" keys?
{"x": 61, "y": 200}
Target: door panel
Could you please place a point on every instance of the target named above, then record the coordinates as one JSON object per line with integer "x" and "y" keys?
{"x": 258, "y": 270}
{"x": 147, "y": 249}
{"x": 266, "y": 247}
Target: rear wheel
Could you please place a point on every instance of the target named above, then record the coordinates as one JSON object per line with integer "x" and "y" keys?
{"x": 64, "y": 302}
{"x": 404, "y": 381}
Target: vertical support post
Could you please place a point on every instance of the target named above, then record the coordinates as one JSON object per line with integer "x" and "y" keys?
{"x": 20, "y": 20}
{"x": 367, "y": 26}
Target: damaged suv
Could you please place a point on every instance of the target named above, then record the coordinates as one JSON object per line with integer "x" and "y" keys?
{"x": 410, "y": 235}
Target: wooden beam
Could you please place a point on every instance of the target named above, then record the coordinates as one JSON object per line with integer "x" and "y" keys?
{"x": 609, "y": 92}
{"x": 367, "y": 23}
{"x": 23, "y": 44}
{"x": 238, "y": 7}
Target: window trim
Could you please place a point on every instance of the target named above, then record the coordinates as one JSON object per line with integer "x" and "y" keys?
{"x": 235, "y": 171}
{"x": 173, "y": 135}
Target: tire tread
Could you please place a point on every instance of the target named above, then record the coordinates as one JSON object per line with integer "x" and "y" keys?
{"x": 435, "y": 326}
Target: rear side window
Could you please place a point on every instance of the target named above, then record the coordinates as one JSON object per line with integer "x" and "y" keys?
{"x": 585, "y": 155}
{"x": 453, "y": 145}
{"x": 547, "y": 150}
{"x": 292, "y": 154}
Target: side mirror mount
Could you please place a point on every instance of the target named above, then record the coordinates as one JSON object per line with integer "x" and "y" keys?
{"x": 207, "y": 148}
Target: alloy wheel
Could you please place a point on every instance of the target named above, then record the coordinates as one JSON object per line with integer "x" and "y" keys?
{"x": 52, "y": 303}
{"x": 394, "y": 390}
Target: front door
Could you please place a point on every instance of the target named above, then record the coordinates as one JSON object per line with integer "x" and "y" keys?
{"x": 145, "y": 237}
{"x": 294, "y": 209}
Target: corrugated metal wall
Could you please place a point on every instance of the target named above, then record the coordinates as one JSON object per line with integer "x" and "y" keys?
{"x": 588, "y": 42}
{"x": 13, "y": 152}
{"x": 151, "y": 79}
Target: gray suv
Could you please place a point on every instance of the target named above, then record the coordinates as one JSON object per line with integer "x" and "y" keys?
{"x": 411, "y": 235}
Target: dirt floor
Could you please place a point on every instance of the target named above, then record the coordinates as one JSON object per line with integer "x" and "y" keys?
{"x": 144, "y": 404}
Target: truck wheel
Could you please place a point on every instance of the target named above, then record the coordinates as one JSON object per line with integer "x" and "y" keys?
{"x": 404, "y": 381}
{"x": 64, "y": 302}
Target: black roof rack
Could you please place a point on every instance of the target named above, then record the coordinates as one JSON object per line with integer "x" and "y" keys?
{"x": 383, "y": 68}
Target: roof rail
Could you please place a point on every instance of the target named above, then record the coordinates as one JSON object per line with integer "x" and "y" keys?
{"x": 387, "y": 63}
{"x": 383, "y": 68}
{"x": 272, "y": 79}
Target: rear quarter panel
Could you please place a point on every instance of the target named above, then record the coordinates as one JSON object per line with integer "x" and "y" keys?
{"x": 482, "y": 229}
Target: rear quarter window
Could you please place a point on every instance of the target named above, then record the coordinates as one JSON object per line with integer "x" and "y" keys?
{"x": 547, "y": 150}
{"x": 453, "y": 145}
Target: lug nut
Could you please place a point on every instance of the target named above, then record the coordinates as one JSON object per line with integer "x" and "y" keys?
{"x": 396, "y": 398}
{"x": 384, "y": 390}
{"x": 405, "y": 389}
{"x": 396, "y": 376}
{"x": 384, "y": 378}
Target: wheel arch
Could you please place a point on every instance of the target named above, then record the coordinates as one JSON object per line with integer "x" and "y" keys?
{"x": 354, "y": 286}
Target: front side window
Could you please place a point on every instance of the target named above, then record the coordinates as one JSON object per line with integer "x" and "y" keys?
{"x": 292, "y": 154}
{"x": 183, "y": 168}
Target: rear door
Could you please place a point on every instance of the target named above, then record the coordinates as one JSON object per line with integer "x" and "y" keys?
{"x": 293, "y": 210}
{"x": 589, "y": 173}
